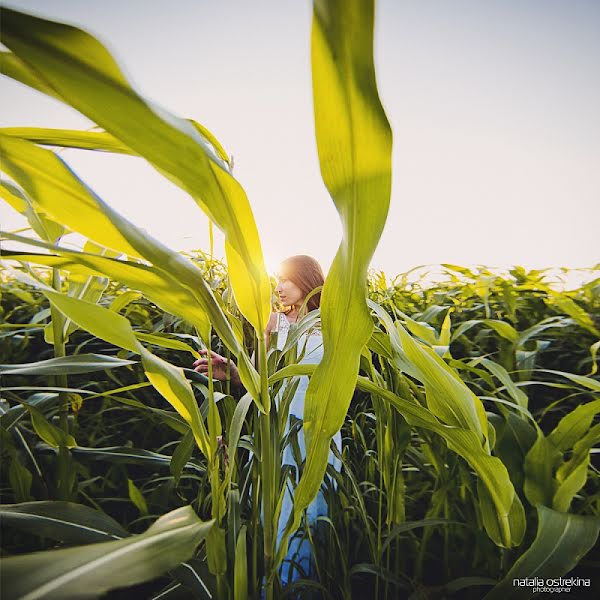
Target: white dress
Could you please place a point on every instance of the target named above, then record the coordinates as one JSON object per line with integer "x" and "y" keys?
{"x": 310, "y": 349}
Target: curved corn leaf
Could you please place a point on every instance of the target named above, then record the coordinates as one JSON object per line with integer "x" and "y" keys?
{"x": 540, "y": 461}
{"x": 46, "y": 228}
{"x": 565, "y": 305}
{"x": 562, "y": 540}
{"x": 447, "y": 395}
{"x": 81, "y": 71}
{"x": 516, "y": 393}
{"x": 354, "y": 143}
{"x": 62, "y": 521}
{"x": 67, "y": 365}
{"x": 582, "y": 380}
{"x": 56, "y": 190}
{"x": 133, "y": 456}
{"x": 94, "y": 140}
{"x": 52, "y": 435}
{"x": 572, "y": 474}
{"x": 550, "y": 480}
{"x": 574, "y": 425}
{"x": 166, "y": 342}
{"x": 69, "y": 138}
{"x": 15, "y": 68}
{"x": 90, "y": 571}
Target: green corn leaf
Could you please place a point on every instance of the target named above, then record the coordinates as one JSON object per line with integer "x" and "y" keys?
{"x": 94, "y": 140}
{"x": 99, "y": 321}
{"x": 235, "y": 430}
{"x": 174, "y": 387}
{"x": 89, "y": 571}
{"x": 182, "y": 455}
{"x": 194, "y": 580}
{"x": 55, "y": 189}
{"x": 67, "y": 365}
{"x": 401, "y": 361}
{"x": 20, "y": 479}
{"x": 503, "y": 329}
{"x": 19, "y": 476}
{"x": 62, "y": 521}
{"x": 593, "y": 353}
{"x": 572, "y": 427}
{"x": 540, "y": 462}
{"x": 15, "y": 68}
{"x": 52, "y": 435}
{"x": 240, "y": 582}
{"x": 81, "y": 71}
{"x": 124, "y": 299}
{"x": 133, "y": 456}
{"x": 354, "y": 143}
{"x": 571, "y": 476}
{"x": 507, "y": 529}
{"x": 159, "y": 287}
{"x": 516, "y": 393}
{"x": 445, "y": 331}
{"x": 582, "y": 380}
{"x": 421, "y": 330}
{"x": 69, "y": 138}
{"x": 562, "y": 540}
{"x": 46, "y": 228}
{"x": 166, "y": 342}
{"x": 565, "y": 305}
{"x": 136, "y": 496}
{"x": 514, "y": 441}
{"x": 447, "y": 395}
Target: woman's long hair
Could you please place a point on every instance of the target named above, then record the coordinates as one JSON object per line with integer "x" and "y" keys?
{"x": 305, "y": 272}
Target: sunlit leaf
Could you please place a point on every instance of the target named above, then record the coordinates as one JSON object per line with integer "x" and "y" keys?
{"x": 354, "y": 143}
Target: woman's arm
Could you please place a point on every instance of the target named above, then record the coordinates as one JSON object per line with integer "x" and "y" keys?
{"x": 271, "y": 326}
{"x": 219, "y": 368}
{"x": 219, "y": 363}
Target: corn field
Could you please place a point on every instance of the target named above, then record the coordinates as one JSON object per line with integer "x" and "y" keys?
{"x": 467, "y": 404}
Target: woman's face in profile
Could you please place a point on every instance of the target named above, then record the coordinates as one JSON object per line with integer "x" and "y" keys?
{"x": 289, "y": 292}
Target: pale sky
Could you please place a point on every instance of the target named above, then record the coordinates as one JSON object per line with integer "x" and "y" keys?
{"x": 493, "y": 106}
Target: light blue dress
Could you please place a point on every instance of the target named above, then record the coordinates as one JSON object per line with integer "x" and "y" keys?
{"x": 310, "y": 349}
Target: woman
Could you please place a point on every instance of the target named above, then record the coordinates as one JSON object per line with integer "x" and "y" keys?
{"x": 299, "y": 276}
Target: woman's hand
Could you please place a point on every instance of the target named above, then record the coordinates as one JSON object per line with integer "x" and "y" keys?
{"x": 219, "y": 367}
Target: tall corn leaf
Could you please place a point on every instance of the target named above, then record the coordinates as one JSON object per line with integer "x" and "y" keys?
{"x": 354, "y": 143}
{"x": 91, "y": 570}
{"x": 76, "y": 67}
